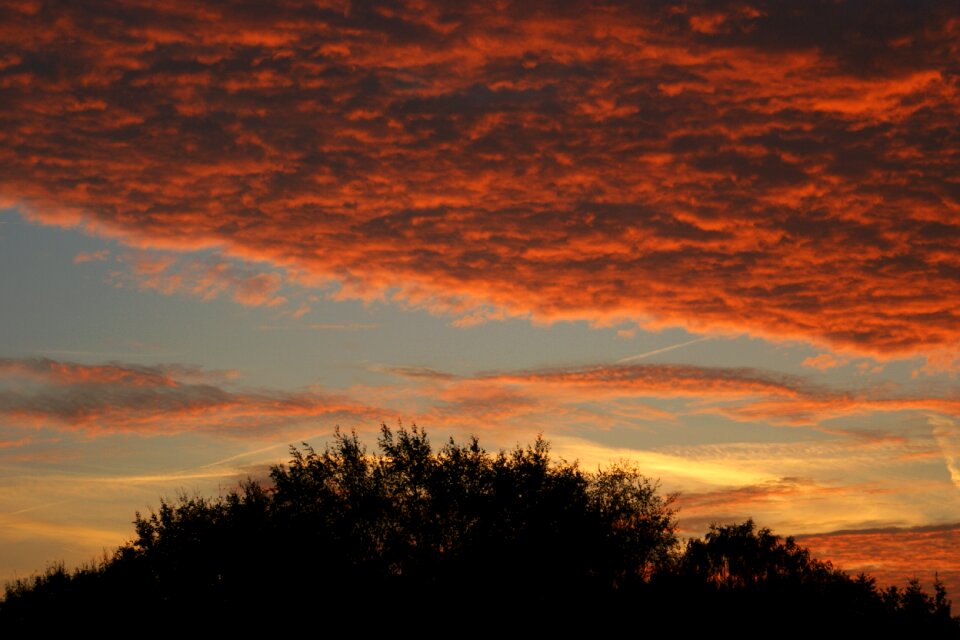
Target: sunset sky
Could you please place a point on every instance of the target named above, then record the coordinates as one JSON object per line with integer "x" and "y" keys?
{"x": 719, "y": 239}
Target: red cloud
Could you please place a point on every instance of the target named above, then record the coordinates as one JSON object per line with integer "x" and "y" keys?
{"x": 788, "y": 170}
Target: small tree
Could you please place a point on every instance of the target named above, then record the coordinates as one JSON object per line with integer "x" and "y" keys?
{"x": 740, "y": 555}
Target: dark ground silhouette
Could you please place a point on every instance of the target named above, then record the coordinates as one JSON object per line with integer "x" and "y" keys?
{"x": 456, "y": 541}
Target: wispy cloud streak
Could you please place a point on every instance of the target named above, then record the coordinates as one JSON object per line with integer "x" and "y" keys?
{"x": 113, "y": 398}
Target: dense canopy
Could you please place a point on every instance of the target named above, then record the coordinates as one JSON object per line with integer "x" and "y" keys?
{"x": 408, "y": 537}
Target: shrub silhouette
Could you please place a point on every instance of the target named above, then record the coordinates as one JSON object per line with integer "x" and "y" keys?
{"x": 411, "y": 538}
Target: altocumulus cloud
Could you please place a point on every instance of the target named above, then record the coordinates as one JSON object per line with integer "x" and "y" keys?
{"x": 787, "y": 169}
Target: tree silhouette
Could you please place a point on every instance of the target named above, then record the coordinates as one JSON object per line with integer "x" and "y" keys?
{"x": 411, "y": 538}
{"x": 741, "y": 556}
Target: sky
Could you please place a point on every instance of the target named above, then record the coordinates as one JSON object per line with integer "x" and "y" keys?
{"x": 718, "y": 240}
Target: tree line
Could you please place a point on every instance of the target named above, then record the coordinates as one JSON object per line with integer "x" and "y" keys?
{"x": 412, "y": 538}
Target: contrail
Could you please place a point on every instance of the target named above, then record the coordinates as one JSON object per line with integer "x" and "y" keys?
{"x": 245, "y": 454}
{"x": 33, "y": 508}
{"x": 641, "y": 356}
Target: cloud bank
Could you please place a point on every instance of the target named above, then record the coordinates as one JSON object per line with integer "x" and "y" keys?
{"x": 786, "y": 169}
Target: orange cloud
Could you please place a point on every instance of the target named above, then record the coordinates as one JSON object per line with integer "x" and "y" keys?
{"x": 91, "y": 256}
{"x": 658, "y": 380}
{"x": 742, "y": 394}
{"x": 893, "y": 555}
{"x": 823, "y": 361}
{"x": 787, "y": 170}
{"x": 66, "y": 373}
{"x": 700, "y": 509}
{"x": 129, "y": 397}
{"x": 161, "y": 399}
{"x": 204, "y": 278}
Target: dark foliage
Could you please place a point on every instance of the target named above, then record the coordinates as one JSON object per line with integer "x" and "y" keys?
{"x": 410, "y": 538}
{"x": 753, "y": 578}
